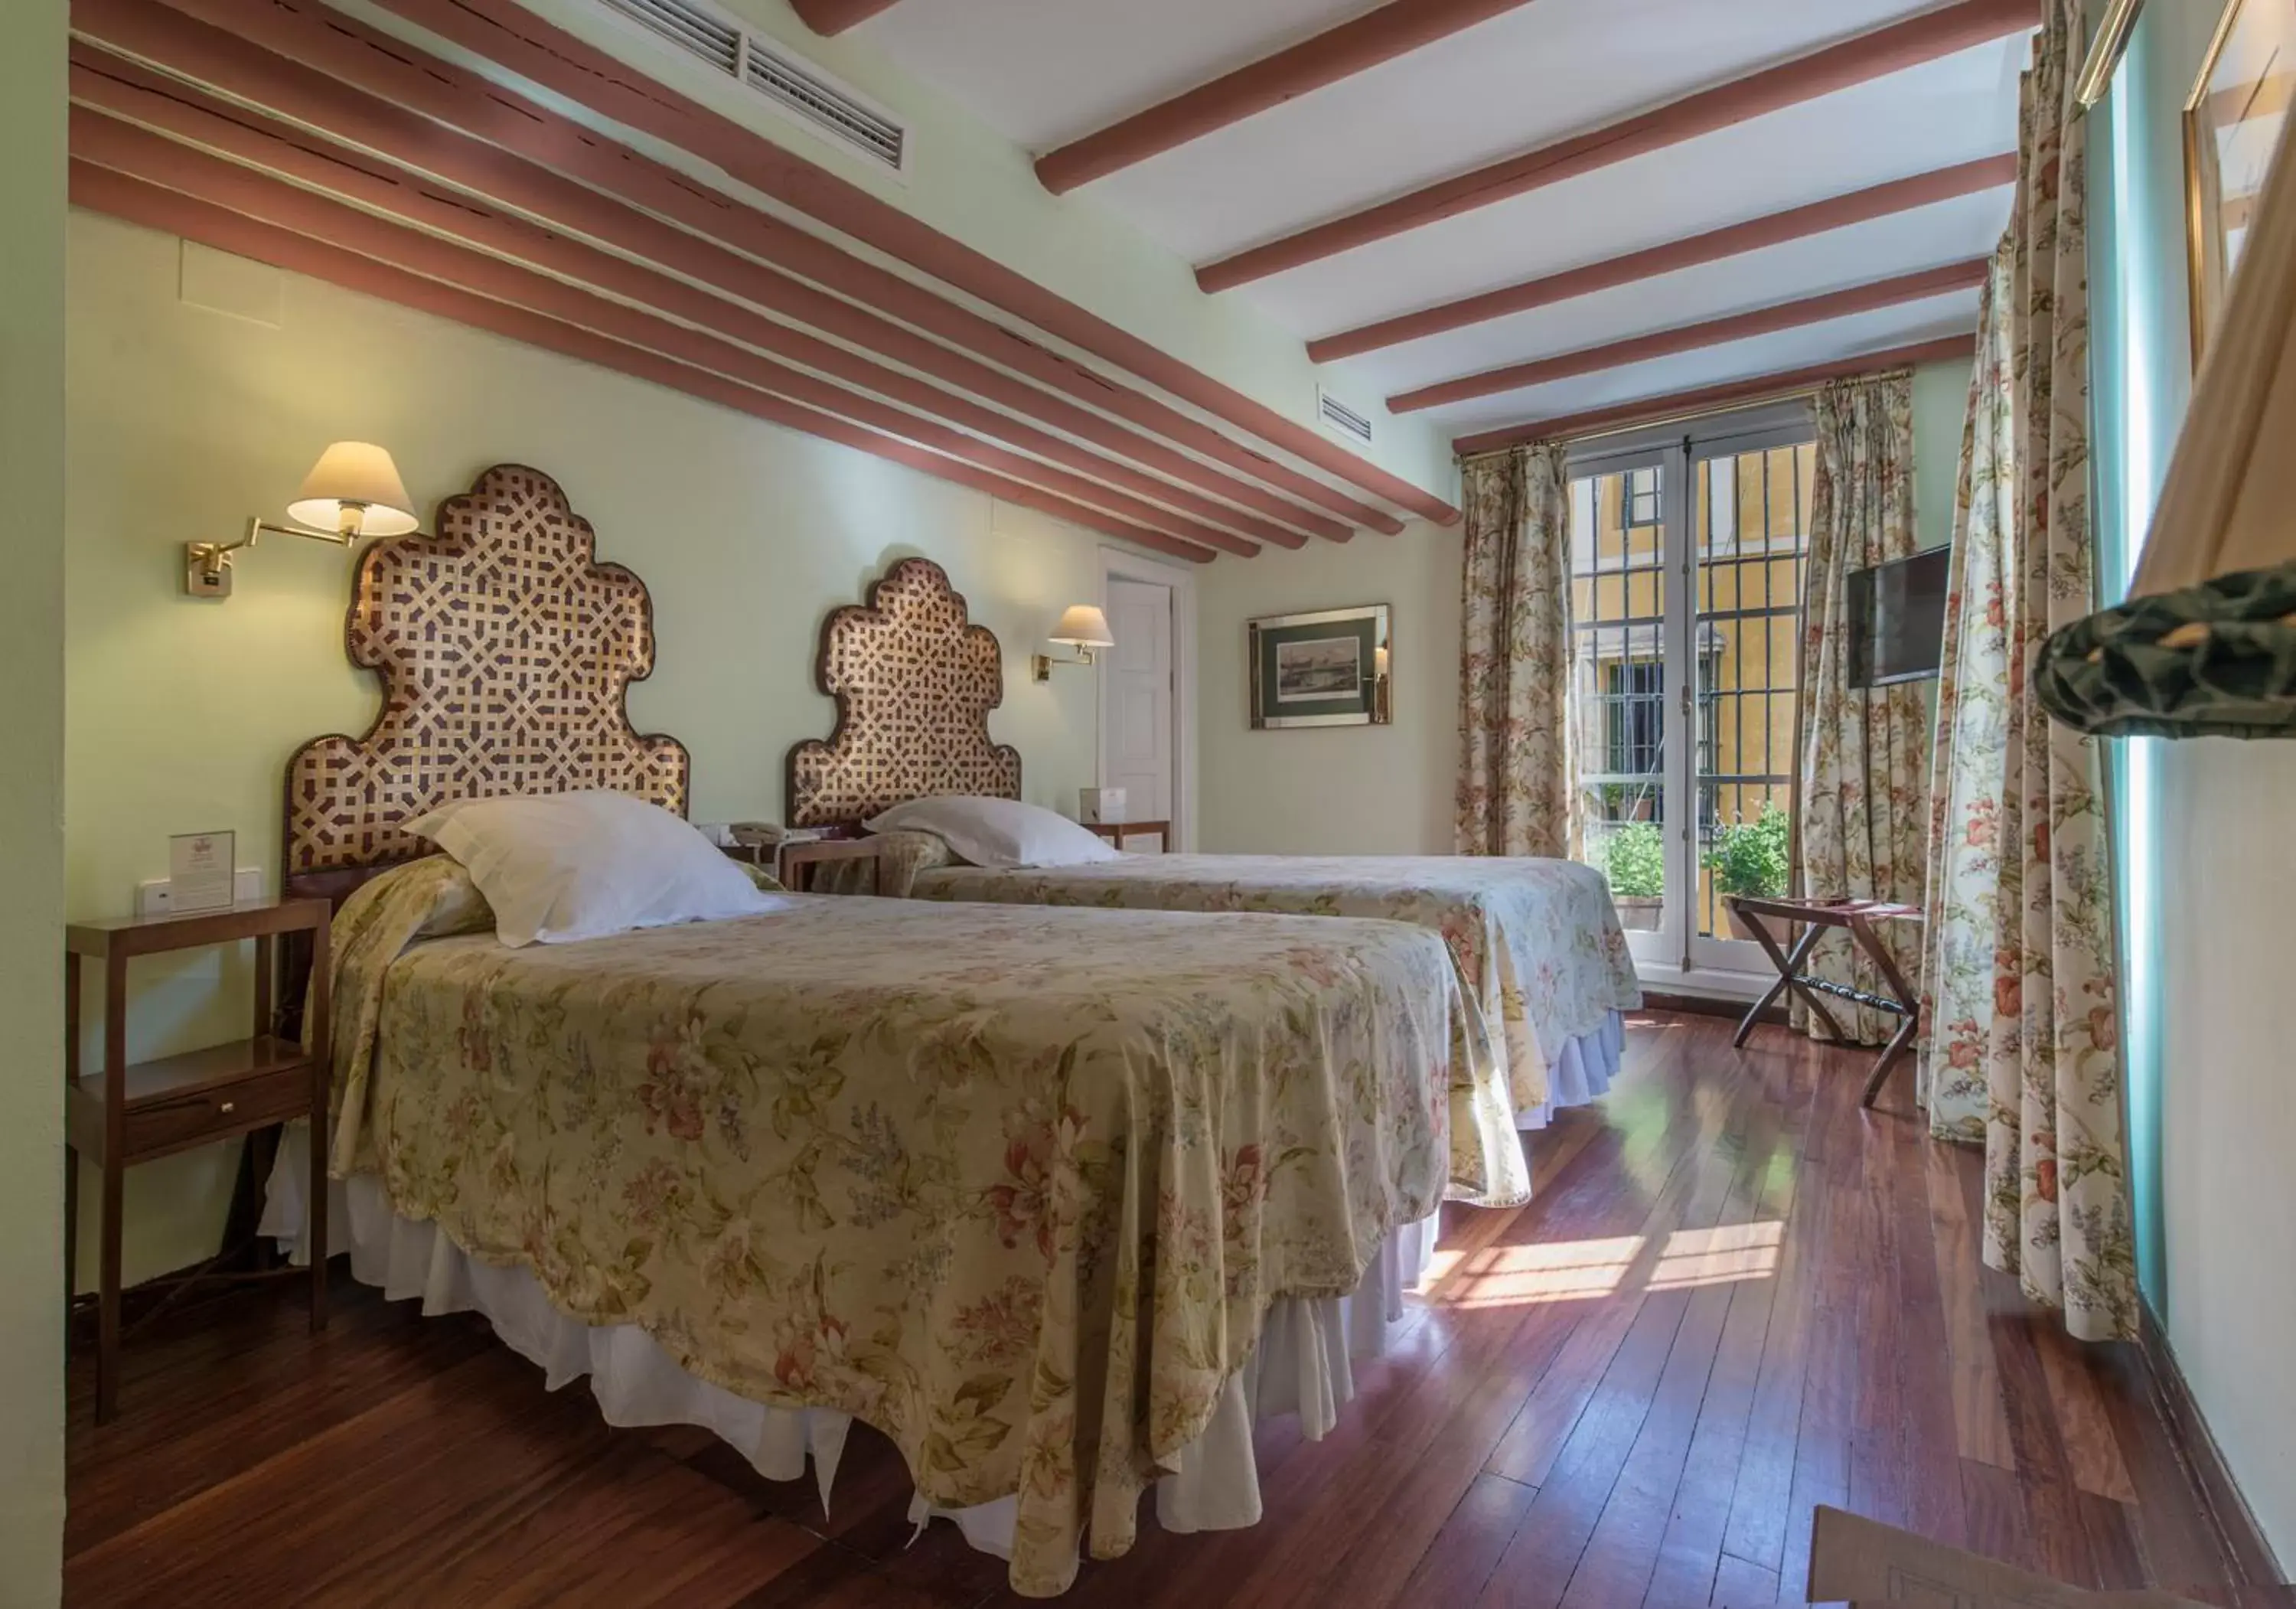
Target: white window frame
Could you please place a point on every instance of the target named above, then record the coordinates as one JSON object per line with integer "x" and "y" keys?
{"x": 1675, "y": 956}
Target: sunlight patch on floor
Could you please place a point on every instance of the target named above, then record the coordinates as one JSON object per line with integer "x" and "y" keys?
{"x": 1580, "y": 1270}
{"x": 1722, "y": 1255}
{"x": 1575, "y": 1270}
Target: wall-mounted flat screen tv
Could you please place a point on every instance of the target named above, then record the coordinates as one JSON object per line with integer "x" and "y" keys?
{"x": 1897, "y": 617}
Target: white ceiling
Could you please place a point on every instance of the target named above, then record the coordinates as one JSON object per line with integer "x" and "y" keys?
{"x": 1046, "y": 71}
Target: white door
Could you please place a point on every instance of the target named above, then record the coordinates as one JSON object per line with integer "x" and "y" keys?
{"x": 1136, "y": 699}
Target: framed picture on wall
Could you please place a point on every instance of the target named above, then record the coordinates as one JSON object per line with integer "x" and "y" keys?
{"x": 2232, "y": 120}
{"x": 1327, "y": 669}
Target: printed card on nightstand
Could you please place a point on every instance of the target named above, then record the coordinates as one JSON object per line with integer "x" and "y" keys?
{"x": 199, "y": 870}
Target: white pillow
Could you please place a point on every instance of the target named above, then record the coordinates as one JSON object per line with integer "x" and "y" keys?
{"x": 1000, "y": 833}
{"x": 561, "y": 867}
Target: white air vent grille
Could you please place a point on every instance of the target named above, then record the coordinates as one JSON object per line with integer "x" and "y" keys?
{"x": 812, "y": 98}
{"x": 1341, "y": 420}
{"x": 793, "y": 87}
{"x": 691, "y": 28}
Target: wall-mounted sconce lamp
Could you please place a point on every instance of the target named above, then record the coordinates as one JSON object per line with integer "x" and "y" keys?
{"x": 1082, "y": 628}
{"x": 353, "y": 491}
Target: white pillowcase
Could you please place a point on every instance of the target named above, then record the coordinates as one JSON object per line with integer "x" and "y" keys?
{"x": 1001, "y": 834}
{"x": 561, "y": 867}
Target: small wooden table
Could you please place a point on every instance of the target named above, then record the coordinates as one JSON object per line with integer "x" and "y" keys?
{"x": 801, "y": 860}
{"x": 1115, "y": 832}
{"x": 1856, "y": 917}
{"x": 119, "y": 1115}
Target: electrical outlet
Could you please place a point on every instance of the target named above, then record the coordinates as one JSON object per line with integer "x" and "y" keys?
{"x": 156, "y": 896}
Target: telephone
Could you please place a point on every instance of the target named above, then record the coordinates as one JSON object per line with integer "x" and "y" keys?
{"x": 772, "y": 835}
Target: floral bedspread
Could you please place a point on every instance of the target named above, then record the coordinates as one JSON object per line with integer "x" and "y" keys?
{"x": 1538, "y": 943}
{"x": 1015, "y": 1186}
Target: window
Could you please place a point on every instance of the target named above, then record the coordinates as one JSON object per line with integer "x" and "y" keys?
{"x": 1641, "y": 497}
{"x": 1635, "y": 691}
{"x": 1686, "y": 576}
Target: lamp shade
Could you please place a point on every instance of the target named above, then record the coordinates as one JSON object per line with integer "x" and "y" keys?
{"x": 355, "y": 488}
{"x": 1082, "y": 626}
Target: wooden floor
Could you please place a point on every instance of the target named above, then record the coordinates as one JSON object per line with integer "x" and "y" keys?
{"x": 1735, "y": 1295}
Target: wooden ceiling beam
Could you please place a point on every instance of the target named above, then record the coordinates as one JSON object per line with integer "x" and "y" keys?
{"x": 116, "y": 88}
{"x": 1776, "y": 229}
{"x": 1712, "y": 398}
{"x": 1856, "y": 61}
{"x": 154, "y": 159}
{"x": 1689, "y": 338}
{"x": 1361, "y": 43}
{"x": 530, "y": 309}
{"x": 832, "y": 17}
{"x": 506, "y": 32}
{"x": 249, "y": 72}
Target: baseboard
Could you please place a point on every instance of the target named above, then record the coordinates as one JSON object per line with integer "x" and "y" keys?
{"x": 2239, "y": 1535}
{"x": 1707, "y": 1006}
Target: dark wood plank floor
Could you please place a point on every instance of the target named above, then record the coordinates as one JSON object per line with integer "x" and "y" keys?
{"x": 1734, "y": 1296}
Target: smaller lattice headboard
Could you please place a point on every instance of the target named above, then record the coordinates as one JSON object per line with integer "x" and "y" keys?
{"x": 915, "y": 681}
{"x": 506, "y": 651}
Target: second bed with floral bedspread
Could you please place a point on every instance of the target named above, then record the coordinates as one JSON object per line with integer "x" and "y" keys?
{"x": 1536, "y": 944}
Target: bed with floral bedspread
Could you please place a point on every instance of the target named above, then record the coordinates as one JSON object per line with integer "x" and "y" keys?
{"x": 1536, "y": 944}
{"x": 1015, "y": 1186}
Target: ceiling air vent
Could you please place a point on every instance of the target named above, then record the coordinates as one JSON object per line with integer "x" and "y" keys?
{"x": 688, "y": 27}
{"x": 836, "y": 113}
{"x": 792, "y": 86}
{"x": 1340, "y": 420}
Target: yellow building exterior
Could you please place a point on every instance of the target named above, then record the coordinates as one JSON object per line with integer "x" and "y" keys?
{"x": 1749, "y": 517}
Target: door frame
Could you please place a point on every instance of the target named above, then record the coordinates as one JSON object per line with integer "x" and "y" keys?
{"x": 1676, "y": 957}
{"x": 1119, "y": 563}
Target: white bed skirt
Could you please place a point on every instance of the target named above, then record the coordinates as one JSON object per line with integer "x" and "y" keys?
{"x": 1581, "y": 1074}
{"x": 1303, "y": 1364}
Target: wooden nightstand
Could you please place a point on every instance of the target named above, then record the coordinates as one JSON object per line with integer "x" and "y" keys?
{"x": 1115, "y": 831}
{"x": 798, "y": 860}
{"x": 120, "y": 1115}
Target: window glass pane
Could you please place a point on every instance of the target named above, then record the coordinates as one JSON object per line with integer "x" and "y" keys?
{"x": 1619, "y": 682}
{"x": 1751, "y": 535}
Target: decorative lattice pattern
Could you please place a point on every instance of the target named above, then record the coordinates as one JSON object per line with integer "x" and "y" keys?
{"x": 914, "y": 682}
{"x": 506, "y": 651}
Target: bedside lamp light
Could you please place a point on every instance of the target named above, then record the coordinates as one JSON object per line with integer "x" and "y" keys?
{"x": 353, "y": 491}
{"x": 1083, "y": 627}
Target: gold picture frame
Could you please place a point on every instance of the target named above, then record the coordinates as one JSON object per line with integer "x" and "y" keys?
{"x": 2232, "y": 120}
{"x": 1328, "y": 668}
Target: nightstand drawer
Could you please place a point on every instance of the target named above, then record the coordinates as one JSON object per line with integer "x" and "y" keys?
{"x": 177, "y": 1122}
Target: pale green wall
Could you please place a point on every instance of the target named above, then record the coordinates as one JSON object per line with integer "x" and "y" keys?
{"x": 971, "y": 183}
{"x": 31, "y": 888}
{"x": 1940, "y": 403}
{"x": 1387, "y": 790}
{"x": 2205, "y": 830}
{"x": 182, "y": 711}
{"x": 1338, "y": 790}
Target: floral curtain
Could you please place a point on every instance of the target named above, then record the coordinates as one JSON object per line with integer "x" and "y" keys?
{"x": 2024, "y": 1047}
{"x": 1863, "y": 831}
{"x": 1970, "y": 762}
{"x": 1517, "y": 794}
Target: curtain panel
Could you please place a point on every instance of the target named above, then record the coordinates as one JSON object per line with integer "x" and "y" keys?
{"x": 1964, "y": 940}
{"x": 1862, "y": 829}
{"x": 1516, "y": 792}
{"x": 2024, "y": 1046}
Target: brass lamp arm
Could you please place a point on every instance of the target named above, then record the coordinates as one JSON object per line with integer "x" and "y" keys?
{"x": 1040, "y": 665}
{"x": 206, "y": 564}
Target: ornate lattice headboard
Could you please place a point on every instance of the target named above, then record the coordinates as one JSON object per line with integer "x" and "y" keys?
{"x": 914, "y": 682}
{"x": 505, "y": 651}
